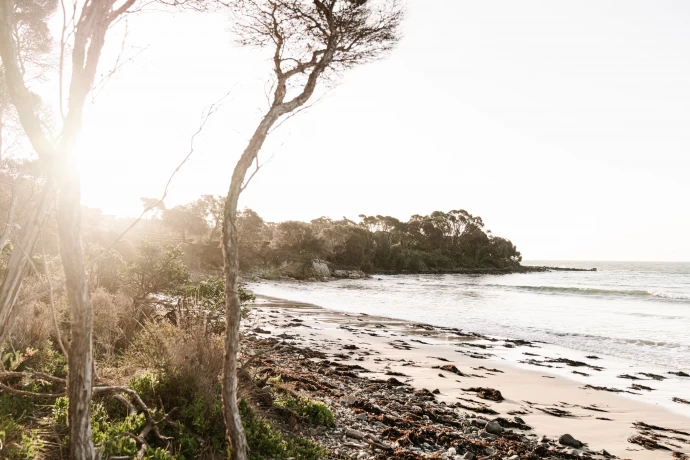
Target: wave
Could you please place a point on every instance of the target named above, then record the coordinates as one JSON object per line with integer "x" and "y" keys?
{"x": 636, "y": 293}
{"x": 639, "y": 342}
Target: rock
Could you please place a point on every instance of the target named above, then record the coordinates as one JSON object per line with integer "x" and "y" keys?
{"x": 348, "y": 400}
{"x": 352, "y": 274}
{"x": 468, "y": 456}
{"x": 362, "y": 417}
{"x": 319, "y": 268}
{"x": 362, "y": 454}
{"x": 568, "y": 440}
{"x": 478, "y": 422}
{"x": 452, "y": 451}
{"x": 494, "y": 428}
{"x": 486, "y": 393}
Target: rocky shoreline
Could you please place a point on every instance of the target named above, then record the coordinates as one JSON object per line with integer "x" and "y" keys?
{"x": 381, "y": 419}
{"x": 391, "y": 400}
{"x": 488, "y": 271}
{"x": 318, "y": 270}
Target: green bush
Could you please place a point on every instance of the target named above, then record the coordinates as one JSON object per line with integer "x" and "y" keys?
{"x": 316, "y": 412}
{"x": 108, "y": 430}
{"x": 266, "y": 442}
{"x": 19, "y": 442}
{"x": 198, "y": 412}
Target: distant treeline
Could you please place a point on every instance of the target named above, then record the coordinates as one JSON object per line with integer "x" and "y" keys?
{"x": 441, "y": 241}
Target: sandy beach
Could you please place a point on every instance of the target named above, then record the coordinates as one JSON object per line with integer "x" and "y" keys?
{"x": 455, "y": 365}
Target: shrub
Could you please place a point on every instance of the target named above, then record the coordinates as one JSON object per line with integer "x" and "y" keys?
{"x": 316, "y": 412}
{"x": 19, "y": 442}
{"x": 33, "y": 326}
{"x": 116, "y": 321}
{"x": 192, "y": 356}
{"x": 205, "y": 301}
{"x": 108, "y": 430}
{"x": 266, "y": 442}
{"x": 200, "y": 412}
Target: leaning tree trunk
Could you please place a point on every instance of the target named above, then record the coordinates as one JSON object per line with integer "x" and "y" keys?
{"x": 233, "y": 424}
{"x": 18, "y": 265}
{"x": 10, "y": 224}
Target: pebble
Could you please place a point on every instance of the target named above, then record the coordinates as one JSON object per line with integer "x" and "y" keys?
{"x": 568, "y": 440}
{"x": 494, "y": 428}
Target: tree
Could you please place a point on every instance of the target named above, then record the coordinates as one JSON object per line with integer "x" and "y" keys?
{"x": 18, "y": 180}
{"x": 186, "y": 219}
{"x": 152, "y": 206}
{"x": 30, "y": 28}
{"x": 310, "y": 40}
{"x": 297, "y": 238}
{"x": 156, "y": 268}
{"x": 213, "y": 206}
{"x": 23, "y": 25}
{"x": 109, "y": 270}
{"x": 250, "y": 237}
{"x": 92, "y": 20}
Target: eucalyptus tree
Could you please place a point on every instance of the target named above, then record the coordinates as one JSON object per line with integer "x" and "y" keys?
{"x": 309, "y": 40}
{"x": 57, "y": 151}
{"x": 25, "y": 22}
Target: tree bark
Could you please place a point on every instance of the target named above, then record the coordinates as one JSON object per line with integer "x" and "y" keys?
{"x": 80, "y": 363}
{"x": 233, "y": 424}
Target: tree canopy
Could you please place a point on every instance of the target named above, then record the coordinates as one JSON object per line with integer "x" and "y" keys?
{"x": 435, "y": 242}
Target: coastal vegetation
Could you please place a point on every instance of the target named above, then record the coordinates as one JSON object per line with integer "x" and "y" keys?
{"x": 82, "y": 282}
{"x": 439, "y": 241}
{"x": 158, "y": 361}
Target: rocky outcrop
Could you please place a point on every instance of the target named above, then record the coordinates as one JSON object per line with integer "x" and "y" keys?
{"x": 351, "y": 274}
{"x": 318, "y": 269}
{"x": 311, "y": 270}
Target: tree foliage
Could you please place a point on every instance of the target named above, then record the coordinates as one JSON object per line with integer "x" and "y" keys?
{"x": 438, "y": 241}
{"x": 157, "y": 268}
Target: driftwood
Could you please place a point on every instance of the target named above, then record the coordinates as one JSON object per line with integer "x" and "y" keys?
{"x": 368, "y": 439}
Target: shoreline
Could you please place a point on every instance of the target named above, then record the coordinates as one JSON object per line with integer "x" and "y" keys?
{"x": 485, "y": 271}
{"x": 307, "y": 272}
{"x": 550, "y": 403}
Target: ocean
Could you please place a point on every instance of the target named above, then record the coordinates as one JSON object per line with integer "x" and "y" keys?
{"x": 636, "y": 311}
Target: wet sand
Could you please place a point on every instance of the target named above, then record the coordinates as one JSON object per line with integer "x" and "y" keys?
{"x": 552, "y": 404}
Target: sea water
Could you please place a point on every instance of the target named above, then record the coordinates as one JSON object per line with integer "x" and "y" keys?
{"x": 637, "y": 311}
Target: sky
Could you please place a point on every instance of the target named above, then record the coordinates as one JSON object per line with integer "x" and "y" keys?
{"x": 563, "y": 124}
